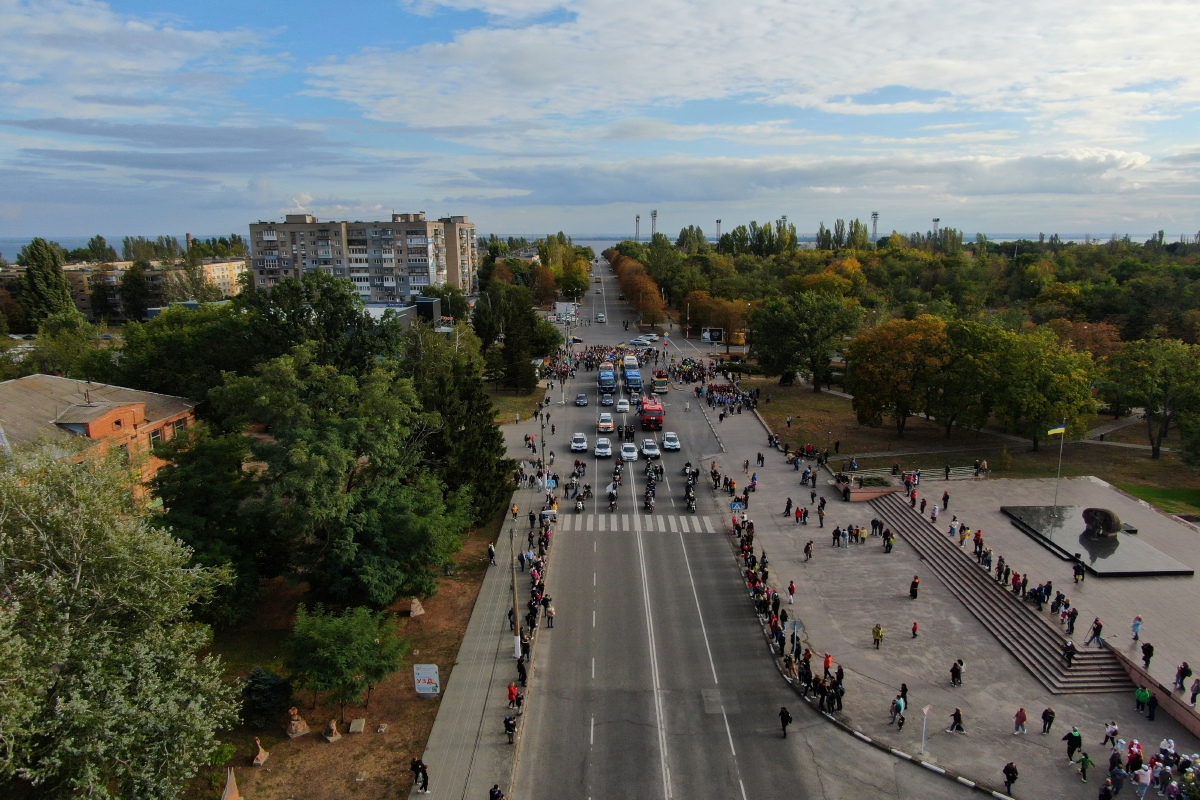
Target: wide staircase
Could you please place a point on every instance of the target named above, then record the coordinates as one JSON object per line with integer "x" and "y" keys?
{"x": 1030, "y": 635}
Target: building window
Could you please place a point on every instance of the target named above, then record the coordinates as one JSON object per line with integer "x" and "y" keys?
{"x": 178, "y": 425}
{"x": 118, "y": 424}
{"x": 156, "y": 437}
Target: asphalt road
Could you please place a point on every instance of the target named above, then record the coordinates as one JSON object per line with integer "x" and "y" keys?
{"x": 655, "y": 681}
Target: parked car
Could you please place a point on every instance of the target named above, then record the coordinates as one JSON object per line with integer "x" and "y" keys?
{"x": 603, "y": 448}
{"x": 581, "y": 399}
{"x": 629, "y": 452}
{"x": 579, "y": 443}
{"x": 650, "y": 448}
{"x": 670, "y": 441}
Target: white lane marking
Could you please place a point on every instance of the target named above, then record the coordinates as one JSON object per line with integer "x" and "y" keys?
{"x": 592, "y": 732}
{"x": 593, "y": 668}
{"x": 708, "y": 524}
{"x": 593, "y": 575}
{"x": 728, "y": 732}
{"x": 658, "y": 701}
{"x": 602, "y": 522}
{"x": 674, "y": 527}
{"x": 624, "y": 522}
{"x": 696, "y": 596}
{"x": 593, "y": 617}
{"x": 742, "y": 785}
{"x": 591, "y": 521}
{"x": 683, "y": 525}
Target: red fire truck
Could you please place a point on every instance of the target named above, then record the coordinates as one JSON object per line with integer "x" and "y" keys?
{"x": 652, "y": 414}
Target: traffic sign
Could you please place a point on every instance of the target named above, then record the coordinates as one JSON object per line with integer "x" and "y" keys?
{"x": 737, "y": 506}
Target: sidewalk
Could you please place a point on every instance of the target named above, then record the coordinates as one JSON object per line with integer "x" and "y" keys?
{"x": 467, "y": 751}
{"x": 843, "y": 592}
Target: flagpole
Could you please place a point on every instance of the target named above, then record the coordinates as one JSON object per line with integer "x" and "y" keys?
{"x": 1061, "y": 441}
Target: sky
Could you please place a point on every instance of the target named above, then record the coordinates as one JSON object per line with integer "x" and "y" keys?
{"x": 533, "y": 116}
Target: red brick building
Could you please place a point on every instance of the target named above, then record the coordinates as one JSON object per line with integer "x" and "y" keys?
{"x": 48, "y": 408}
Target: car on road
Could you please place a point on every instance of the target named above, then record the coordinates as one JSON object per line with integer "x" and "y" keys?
{"x": 579, "y": 443}
{"x": 603, "y": 448}
{"x": 581, "y": 399}
{"x": 620, "y": 297}
{"x": 598, "y": 291}
{"x": 606, "y": 400}
{"x": 601, "y": 317}
{"x": 605, "y": 423}
{"x": 622, "y": 406}
{"x": 638, "y": 342}
{"x": 629, "y": 452}
{"x": 670, "y": 441}
{"x": 650, "y": 448}
{"x": 576, "y": 340}
{"x": 650, "y": 337}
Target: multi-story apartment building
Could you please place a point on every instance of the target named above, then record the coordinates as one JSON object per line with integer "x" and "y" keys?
{"x": 387, "y": 261}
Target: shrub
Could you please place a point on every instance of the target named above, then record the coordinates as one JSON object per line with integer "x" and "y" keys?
{"x": 265, "y": 698}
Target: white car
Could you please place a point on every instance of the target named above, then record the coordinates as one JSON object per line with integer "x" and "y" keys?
{"x": 650, "y": 337}
{"x": 579, "y": 443}
{"x": 638, "y": 342}
{"x": 601, "y": 317}
{"x": 622, "y": 406}
{"x": 650, "y": 448}
{"x": 603, "y": 448}
{"x": 670, "y": 441}
{"x": 629, "y": 452}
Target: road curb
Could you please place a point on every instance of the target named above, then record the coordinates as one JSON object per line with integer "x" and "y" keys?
{"x": 847, "y": 728}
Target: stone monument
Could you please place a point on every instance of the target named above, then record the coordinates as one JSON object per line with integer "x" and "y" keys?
{"x": 358, "y": 725}
{"x": 231, "y": 788}
{"x": 415, "y": 609}
{"x": 1101, "y": 522}
{"x": 331, "y": 734}
{"x": 296, "y": 725}
{"x": 262, "y": 755}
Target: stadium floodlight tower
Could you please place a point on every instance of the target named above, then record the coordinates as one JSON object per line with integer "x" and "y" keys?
{"x": 874, "y": 226}
{"x": 637, "y": 227}
{"x": 936, "y": 220}
{"x": 718, "y": 230}
{"x": 653, "y": 223}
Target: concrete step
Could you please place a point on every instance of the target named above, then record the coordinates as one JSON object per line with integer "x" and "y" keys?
{"x": 1031, "y": 636}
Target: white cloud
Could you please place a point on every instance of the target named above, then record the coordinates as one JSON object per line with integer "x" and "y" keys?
{"x": 1058, "y": 64}
{"x": 79, "y": 58}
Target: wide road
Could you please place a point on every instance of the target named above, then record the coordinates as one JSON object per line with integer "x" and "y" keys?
{"x": 655, "y": 681}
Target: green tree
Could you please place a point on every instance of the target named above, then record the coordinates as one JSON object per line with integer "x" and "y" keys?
{"x": 345, "y": 654}
{"x": 891, "y": 369}
{"x": 1163, "y": 377}
{"x": 1045, "y": 382}
{"x": 799, "y": 334}
{"x": 135, "y": 291}
{"x": 346, "y": 479}
{"x": 100, "y": 606}
{"x": 465, "y": 445}
{"x": 46, "y": 290}
{"x": 212, "y": 501}
{"x": 454, "y": 302}
{"x": 68, "y": 344}
{"x": 963, "y": 391}
{"x": 99, "y": 250}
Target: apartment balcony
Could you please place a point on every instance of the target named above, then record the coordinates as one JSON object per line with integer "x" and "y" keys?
{"x": 268, "y": 236}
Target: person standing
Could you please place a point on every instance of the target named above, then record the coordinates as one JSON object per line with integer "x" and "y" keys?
{"x": 1019, "y": 720}
{"x": 1010, "y": 776}
{"x": 1141, "y": 696}
{"x": 1047, "y": 720}
{"x": 914, "y": 629}
{"x": 1181, "y": 675}
{"x": 514, "y": 512}
{"x": 914, "y": 587}
{"x": 1110, "y": 734}
{"x": 877, "y": 635}
{"x": 791, "y": 591}
{"x": 956, "y": 671}
{"x": 785, "y": 719}
{"x": 1097, "y": 629}
{"x": 1147, "y": 654}
{"x": 1195, "y": 691}
{"x": 945, "y": 501}
{"x": 1074, "y": 741}
{"x": 1136, "y": 627}
{"x": 1152, "y": 706}
{"x": 494, "y": 793}
{"x": 492, "y": 554}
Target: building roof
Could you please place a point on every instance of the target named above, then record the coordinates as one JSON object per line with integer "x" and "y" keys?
{"x": 41, "y": 404}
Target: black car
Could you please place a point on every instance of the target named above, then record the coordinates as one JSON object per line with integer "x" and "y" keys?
{"x": 581, "y": 399}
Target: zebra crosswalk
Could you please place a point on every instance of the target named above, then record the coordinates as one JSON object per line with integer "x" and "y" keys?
{"x": 650, "y": 523}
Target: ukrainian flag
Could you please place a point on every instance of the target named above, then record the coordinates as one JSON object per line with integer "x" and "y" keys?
{"x": 1059, "y": 429}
